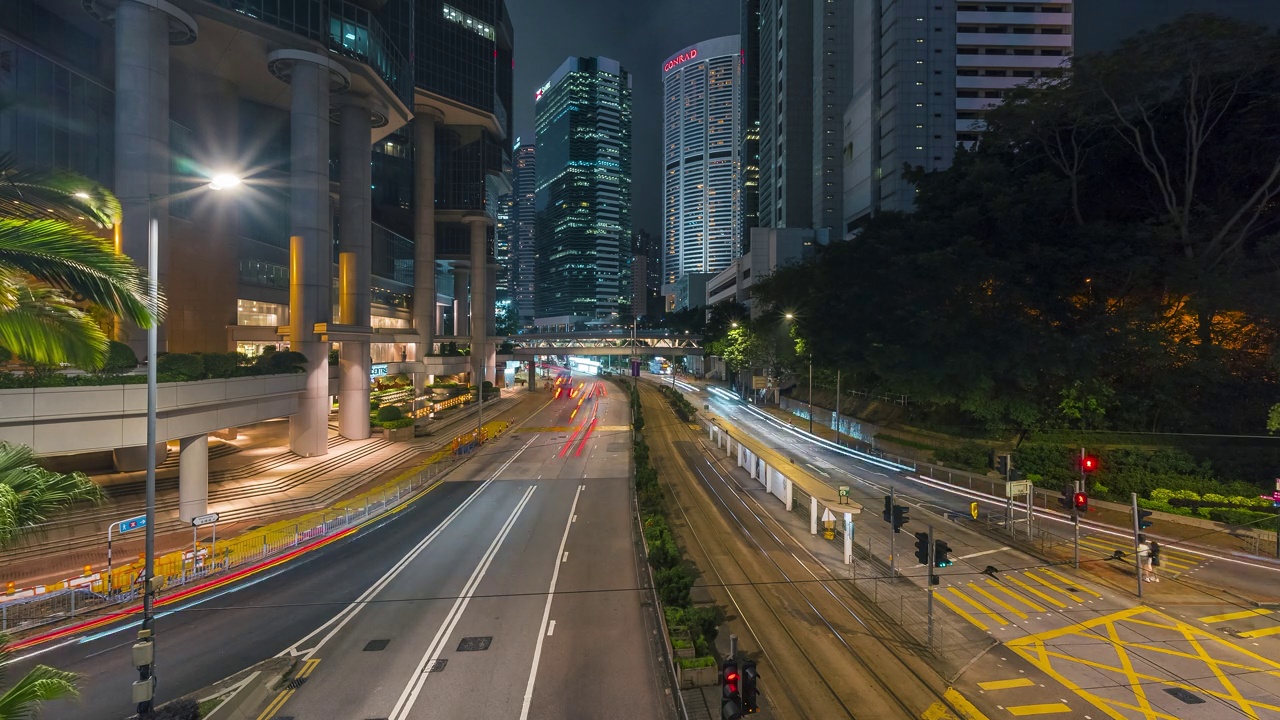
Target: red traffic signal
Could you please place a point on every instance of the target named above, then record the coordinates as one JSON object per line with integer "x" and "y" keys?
{"x": 1088, "y": 463}
{"x": 1081, "y": 501}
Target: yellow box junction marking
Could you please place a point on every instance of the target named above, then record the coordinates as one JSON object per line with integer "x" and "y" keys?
{"x": 959, "y": 611}
{"x": 1006, "y": 684}
{"x": 1235, "y": 615}
{"x": 1261, "y": 633}
{"x": 1217, "y": 654}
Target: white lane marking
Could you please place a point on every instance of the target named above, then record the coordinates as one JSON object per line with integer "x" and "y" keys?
{"x": 546, "y": 611}
{"x": 344, "y": 616}
{"x": 565, "y": 558}
{"x": 984, "y": 552}
{"x": 419, "y": 676}
{"x": 575, "y": 518}
{"x": 551, "y": 629}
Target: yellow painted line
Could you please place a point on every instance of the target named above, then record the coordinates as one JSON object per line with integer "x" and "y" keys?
{"x": 1006, "y": 684}
{"x": 1015, "y": 595}
{"x": 1106, "y": 542}
{"x": 283, "y": 697}
{"x": 1045, "y": 709}
{"x": 1051, "y": 600}
{"x": 998, "y": 601}
{"x": 960, "y": 611}
{"x": 1068, "y": 581}
{"x": 1264, "y": 632}
{"x": 982, "y": 609}
{"x": 1234, "y": 616}
{"x": 1053, "y": 587}
{"x": 308, "y": 667}
{"x": 613, "y": 428}
{"x": 963, "y": 706}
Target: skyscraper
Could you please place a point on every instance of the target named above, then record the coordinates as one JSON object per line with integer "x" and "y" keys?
{"x": 924, "y": 74}
{"x": 749, "y": 118}
{"x": 702, "y": 212}
{"x": 583, "y": 121}
{"x": 786, "y": 113}
{"x": 832, "y": 89}
{"x": 523, "y": 222}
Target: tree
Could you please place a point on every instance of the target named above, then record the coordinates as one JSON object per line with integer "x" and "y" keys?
{"x": 40, "y": 684}
{"x": 51, "y": 265}
{"x": 30, "y": 493}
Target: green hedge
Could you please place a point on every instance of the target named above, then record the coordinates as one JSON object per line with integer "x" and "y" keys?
{"x": 389, "y": 413}
{"x": 672, "y": 577}
{"x": 403, "y": 422}
{"x": 1123, "y": 471}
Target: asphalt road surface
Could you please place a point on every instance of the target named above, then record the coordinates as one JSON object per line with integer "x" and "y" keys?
{"x": 509, "y": 591}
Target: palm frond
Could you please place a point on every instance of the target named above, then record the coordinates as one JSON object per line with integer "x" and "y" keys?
{"x": 36, "y": 192}
{"x": 41, "y": 684}
{"x": 41, "y": 325}
{"x": 30, "y": 494}
{"x": 72, "y": 259}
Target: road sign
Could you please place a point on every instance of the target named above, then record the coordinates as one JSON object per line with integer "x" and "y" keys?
{"x": 204, "y": 519}
{"x": 844, "y": 491}
{"x": 973, "y": 510}
{"x": 828, "y": 516}
{"x": 759, "y": 382}
{"x": 1014, "y": 488}
{"x": 131, "y": 524}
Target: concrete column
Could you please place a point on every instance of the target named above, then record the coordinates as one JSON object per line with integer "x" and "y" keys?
{"x": 424, "y": 226}
{"x": 143, "y": 33}
{"x": 313, "y": 77}
{"x": 355, "y": 248}
{"x": 193, "y": 477}
{"x": 461, "y": 301}
{"x": 791, "y": 498}
{"x": 813, "y": 515}
{"x": 482, "y": 356}
{"x": 848, "y": 538}
{"x": 533, "y": 375}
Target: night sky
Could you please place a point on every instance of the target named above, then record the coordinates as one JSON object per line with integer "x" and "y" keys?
{"x": 638, "y": 33}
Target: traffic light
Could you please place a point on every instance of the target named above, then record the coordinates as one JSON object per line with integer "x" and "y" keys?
{"x": 1143, "y": 522}
{"x": 1081, "y": 502}
{"x": 1088, "y": 464}
{"x": 1003, "y": 464}
{"x": 1067, "y": 501}
{"x": 900, "y": 517}
{"x": 922, "y": 548}
{"x": 888, "y": 507}
{"x": 750, "y": 676}
{"x": 731, "y": 697}
{"x": 941, "y": 554}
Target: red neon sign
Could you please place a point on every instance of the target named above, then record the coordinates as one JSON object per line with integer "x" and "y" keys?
{"x": 680, "y": 59}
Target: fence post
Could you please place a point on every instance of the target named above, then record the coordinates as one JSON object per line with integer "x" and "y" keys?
{"x": 264, "y": 545}
{"x": 73, "y": 602}
{"x": 295, "y": 534}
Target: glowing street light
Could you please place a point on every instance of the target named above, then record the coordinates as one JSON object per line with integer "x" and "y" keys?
{"x": 222, "y": 181}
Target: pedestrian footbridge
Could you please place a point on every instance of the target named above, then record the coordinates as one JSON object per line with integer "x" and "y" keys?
{"x": 650, "y": 343}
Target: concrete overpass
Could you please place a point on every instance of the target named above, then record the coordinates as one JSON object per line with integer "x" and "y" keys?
{"x": 651, "y": 344}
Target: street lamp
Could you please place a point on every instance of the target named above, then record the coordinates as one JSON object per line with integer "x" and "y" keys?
{"x": 147, "y": 634}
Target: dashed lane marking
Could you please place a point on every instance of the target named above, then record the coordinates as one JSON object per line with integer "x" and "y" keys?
{"x": 1006, "y": 684}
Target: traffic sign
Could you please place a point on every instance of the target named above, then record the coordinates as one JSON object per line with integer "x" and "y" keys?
{"x": 827, "y": 515}
{"x": 131, "y": 524}
{"x": 1014, "y": 488}
{"x": 973, "y": 510}
{"x": 204, "y": 519}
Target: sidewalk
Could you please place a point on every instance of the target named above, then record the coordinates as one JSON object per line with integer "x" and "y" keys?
{"x": 291, "y": 488}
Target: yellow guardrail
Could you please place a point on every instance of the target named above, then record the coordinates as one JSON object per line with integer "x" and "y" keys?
{"x": 178, "y": 567}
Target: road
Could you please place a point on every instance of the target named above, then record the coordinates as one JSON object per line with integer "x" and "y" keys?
{"x": 460, "y": 584}
{"x": 1070, "y": 643}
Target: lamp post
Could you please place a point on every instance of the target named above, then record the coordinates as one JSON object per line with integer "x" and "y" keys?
{"x": 146, "y": 635}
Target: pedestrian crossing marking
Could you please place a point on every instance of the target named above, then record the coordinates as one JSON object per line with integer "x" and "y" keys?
{"x": 1235, "y": 615}
{"x": 1053, "y": 587}
{"x": 1015, "y": 596}
{"x": 1037, "y": 593}
{"x": 1006, "y": 684}
{"x": 960, "y": 611}
{"x": 1264, "y": 632}
{"x": 1045, "y": 709}
{"x": 982, "y": 609}
{"x": 1071, "y": 583}
{"x": 998, "y": 601}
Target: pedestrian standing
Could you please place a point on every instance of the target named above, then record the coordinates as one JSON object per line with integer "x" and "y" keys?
{"x": 1144, "y": 560}
{"x": 1153, "y": 561}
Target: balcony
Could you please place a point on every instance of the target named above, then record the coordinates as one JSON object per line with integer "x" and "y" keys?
{"x": 1013, "y": 40}
{"x": 969, "y": 17}
{"x": 1029, "y": 62}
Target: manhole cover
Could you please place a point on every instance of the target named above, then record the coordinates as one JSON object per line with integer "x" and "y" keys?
{"x": 1185, "y": 696}
{"x": 295, "y": 683}
{"x": 473, "y": 644}
{"x": 436, "y": 666}
{"x": 376, "y": 645}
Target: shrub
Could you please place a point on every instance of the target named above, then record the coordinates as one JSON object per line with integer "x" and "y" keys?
{"x": 488, "y": 386}
{"x": 180, "y": 367}
{"x": 1234, "y": 516}
{"x": 286, "y": 361}
{"x": 389, "y": 413}
{"x": 403, "y": 422}
{"x": 333, "y": 357}
{"x": 702, "y": 622}
{"x": 220, "y": 365}
{"x": 184, "y": 709}
{"x": 673, "y": 585}
{"x": 698, "y": 662}
{"x": 120, "y": 358}
{"x": 969, "y": 456}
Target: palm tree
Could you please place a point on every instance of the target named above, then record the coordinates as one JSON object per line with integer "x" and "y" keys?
{"x": 51, "y": 264}
{"x": 40, "y": 684}
{"x": 30, "y": 493}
